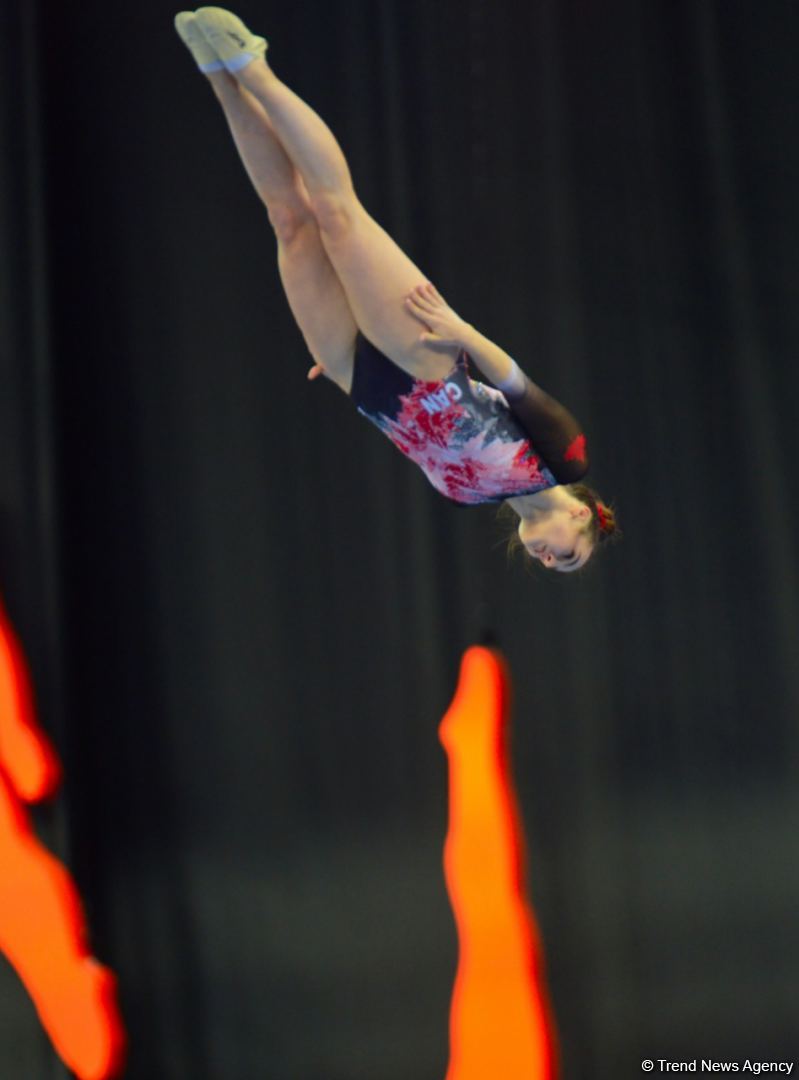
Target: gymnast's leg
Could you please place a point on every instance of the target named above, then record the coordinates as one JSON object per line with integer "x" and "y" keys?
{"x": 315, "y": 295}
{"x": 375, "y": 273}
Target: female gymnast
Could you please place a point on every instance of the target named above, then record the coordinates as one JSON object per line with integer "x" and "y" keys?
{"x": 379, "y": 330}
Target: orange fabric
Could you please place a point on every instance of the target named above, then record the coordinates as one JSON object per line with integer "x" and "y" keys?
{"x": 500, "y": 1016}
{"x": 42, "y": 928}
{"x": 25, "y": 754}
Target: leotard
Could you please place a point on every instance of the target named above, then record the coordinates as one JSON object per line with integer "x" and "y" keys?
{"x": 472, "y": 443}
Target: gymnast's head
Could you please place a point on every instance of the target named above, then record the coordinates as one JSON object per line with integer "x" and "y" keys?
{"x": 562, "y": 527}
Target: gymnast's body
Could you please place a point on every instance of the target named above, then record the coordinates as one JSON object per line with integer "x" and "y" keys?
{"x": 382, "y": 332}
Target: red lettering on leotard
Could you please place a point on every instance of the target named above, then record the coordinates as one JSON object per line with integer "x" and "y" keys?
{"x": 42, "y": 928}
{"x": 576, "y": 450}
{"x": 500, "y": 1015}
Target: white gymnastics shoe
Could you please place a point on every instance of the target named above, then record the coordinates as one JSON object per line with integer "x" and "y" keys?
{"x": 193, "y": 38}
{"x": 230, "y": 39}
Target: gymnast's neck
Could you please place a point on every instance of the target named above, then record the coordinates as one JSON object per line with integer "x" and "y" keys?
{"x": 530, "y": 507}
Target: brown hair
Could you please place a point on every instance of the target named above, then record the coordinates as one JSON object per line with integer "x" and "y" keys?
{"x": 602, "y": 524}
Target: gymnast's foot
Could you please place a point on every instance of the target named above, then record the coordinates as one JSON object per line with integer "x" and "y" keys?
{"x": 229, "y": 38}
{"x": 193, "y": 38}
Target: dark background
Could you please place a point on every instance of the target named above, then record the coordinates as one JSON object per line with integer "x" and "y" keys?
{"x": 245, "y": 612}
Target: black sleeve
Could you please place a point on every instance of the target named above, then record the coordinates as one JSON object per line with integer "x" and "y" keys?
{"x": 553, "y": 431}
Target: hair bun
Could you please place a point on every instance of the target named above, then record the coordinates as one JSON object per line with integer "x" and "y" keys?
{"x": 602, "y": 524}
{"x": 606, "y": 518}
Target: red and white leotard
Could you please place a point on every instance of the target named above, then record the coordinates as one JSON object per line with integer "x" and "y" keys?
{"x": 468, "y": 440}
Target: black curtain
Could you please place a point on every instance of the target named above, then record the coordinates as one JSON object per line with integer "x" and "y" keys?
{"x": 30, "y": 540}
{"x": 245, "y": 611}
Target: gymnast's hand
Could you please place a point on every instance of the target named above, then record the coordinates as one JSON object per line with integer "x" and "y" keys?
{"x": 316, "y": 371}
{"x": 445, "y": 329}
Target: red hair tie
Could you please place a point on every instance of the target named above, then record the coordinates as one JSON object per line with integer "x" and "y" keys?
{"x": 602, "y": 516}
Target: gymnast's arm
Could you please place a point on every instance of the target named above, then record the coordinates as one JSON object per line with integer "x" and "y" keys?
{"x": 551, "y": 428}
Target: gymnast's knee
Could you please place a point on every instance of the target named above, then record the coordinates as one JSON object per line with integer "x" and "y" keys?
{"x": 290, "y": 222}
{"x": 335, "y": 212}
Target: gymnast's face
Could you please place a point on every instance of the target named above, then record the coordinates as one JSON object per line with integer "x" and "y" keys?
{"x": 559, "y": 539}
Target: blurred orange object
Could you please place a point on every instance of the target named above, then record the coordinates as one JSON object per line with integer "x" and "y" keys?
{"x": 500, "y": 1019}
{"x": 42, "y": 928}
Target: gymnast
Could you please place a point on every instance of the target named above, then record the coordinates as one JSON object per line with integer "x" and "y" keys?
{"x": 381, "y": 332}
